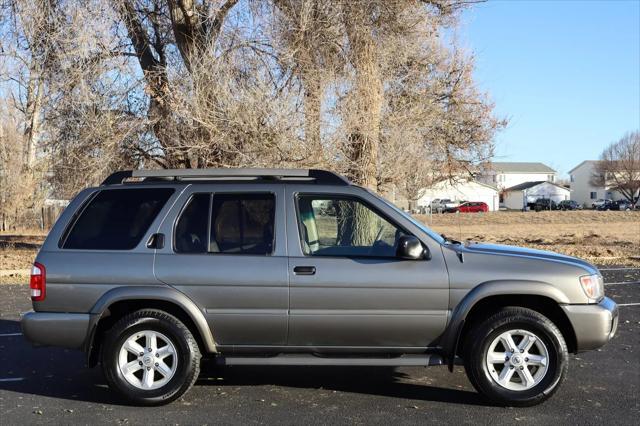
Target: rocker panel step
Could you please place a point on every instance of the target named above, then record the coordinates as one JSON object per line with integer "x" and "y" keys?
{"x": 313, "y": 360}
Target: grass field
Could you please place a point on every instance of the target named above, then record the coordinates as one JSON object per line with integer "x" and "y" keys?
{"x": 599, "y": 237}
{"x": 604, "y": 238}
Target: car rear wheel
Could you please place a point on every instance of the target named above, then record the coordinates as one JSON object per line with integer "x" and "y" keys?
{"x": 516, "y": 357}
{"x": 150, "y": 357}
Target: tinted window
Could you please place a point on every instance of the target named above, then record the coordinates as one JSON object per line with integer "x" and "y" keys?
{"x": 191, "y": 234}
{"x": 242, "y": 223}
{"x": 344, "y": 227}
{"x": 116, "y": 219}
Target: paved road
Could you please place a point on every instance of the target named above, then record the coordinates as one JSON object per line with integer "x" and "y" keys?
{"x": 50, "y": 385}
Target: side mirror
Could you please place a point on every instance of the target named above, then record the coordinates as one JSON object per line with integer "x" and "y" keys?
{"x": 410, "y": 248}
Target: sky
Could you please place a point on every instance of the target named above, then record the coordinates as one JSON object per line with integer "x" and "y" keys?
{"x": 565, "y": 73}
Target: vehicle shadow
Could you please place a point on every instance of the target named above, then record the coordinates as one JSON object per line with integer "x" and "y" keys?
{"x": 61, "y": 373}
{"x": 378, "y": 381}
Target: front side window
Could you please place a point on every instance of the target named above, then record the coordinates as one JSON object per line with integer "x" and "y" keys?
{"x": 227, "y": 223}
{"x": 116, "y": 219}
{"x": 336, "y": 226}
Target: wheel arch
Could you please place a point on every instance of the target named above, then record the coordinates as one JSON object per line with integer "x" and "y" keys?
{"x": 122, "y": 300}
{"x": 490, "y": 296}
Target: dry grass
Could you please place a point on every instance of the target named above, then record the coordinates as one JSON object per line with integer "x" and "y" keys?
{"x": 604, "y": 238}
{"x": 599, "y": 237}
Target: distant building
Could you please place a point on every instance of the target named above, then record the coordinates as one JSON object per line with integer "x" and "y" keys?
{"x": 460, "y": 191}
{"x": 504, "y": 175}
{"x": 582, "y": 189}
{"x": 519, "y": 196}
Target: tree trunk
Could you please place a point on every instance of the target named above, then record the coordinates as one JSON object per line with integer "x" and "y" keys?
{"x": 367, "y": 95}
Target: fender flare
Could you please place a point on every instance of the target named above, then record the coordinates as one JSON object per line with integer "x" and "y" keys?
{"x": 451, "y": 336}
{"x": 150, "y": 292}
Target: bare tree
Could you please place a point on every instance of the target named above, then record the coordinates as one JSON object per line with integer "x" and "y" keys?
{"x": 619, "y": 167}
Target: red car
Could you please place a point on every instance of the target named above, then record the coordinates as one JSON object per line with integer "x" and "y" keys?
{"x": 470, "y": 207}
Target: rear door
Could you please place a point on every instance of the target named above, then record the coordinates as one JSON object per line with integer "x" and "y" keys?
{"x": 225, "y": 249}
{"x": 348, "y": 290}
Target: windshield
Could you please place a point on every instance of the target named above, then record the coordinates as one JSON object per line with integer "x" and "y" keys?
{"x": 412, "y": 219}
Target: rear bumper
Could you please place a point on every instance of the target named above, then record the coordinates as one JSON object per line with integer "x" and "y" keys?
{"x": 55, "y": 329}
{"x": 594, "y": 325}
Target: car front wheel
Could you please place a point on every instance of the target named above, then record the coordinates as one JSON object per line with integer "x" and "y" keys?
{"x": 150, "y": 357}
{"x": 516, "y": 357}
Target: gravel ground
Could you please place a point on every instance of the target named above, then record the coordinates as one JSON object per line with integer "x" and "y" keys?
{"x": 49, "y": 385}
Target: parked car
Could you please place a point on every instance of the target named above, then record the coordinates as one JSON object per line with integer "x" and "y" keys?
{"x": 569, "y": 205}
{"x": 600, "y": 202}
{"x": 615, "y": 205}
{"x": 469, "y": 207}
{"x": 153, "y": 270}
{"x": 440, "y": 205}
{"x": 622, "y": 205}
{"x": 545, "y": 204}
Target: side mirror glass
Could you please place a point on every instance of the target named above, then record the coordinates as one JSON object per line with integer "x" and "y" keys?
{"x": 410, "y": 248}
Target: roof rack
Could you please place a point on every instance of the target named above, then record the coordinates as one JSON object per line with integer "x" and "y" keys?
{"x": 319, "y": 176}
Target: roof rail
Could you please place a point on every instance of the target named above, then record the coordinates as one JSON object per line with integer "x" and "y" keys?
{"x": 319, "y": 176}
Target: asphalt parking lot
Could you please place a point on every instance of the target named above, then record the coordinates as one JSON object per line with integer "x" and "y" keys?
{"x": 49, "y": 385}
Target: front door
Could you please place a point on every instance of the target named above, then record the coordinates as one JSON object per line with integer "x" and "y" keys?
{"x": 348, "y": 289}
{"x": 226, "y": 251}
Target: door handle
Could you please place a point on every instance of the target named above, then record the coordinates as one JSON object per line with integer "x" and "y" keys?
{"x": 304, "y": 270}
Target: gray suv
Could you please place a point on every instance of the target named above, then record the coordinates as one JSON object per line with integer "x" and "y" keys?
{"x": 155, "y": 269}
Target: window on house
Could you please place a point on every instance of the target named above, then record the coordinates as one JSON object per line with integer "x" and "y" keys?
{"x": 572, "y": 178}
{"x": 594, "y": 195}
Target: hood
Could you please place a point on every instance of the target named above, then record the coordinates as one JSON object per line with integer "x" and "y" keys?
{"x": 498, "y": 249}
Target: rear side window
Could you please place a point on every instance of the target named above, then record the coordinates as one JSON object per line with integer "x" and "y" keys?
{"x": 116, "y": 219}
{"x": 229, "y": 223}
{"x": 192, "y": 227}
{"x": 242, "y": 223}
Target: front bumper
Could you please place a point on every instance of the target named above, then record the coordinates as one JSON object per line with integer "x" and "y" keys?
{"x": 55, "y": 328}
{"x": 594, "y": 325}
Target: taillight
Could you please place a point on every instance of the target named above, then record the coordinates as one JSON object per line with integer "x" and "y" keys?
{"x": 38, "y": 282}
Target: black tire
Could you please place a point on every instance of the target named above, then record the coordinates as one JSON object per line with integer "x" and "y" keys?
{"x": 478, "y": 341}
{"x": 187, "y": 356}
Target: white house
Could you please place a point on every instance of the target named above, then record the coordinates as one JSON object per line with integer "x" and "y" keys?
{"x": 517, "y": 197}
{"x": 583, "y": 191}
{"x": 506, "y": 175}
{"x": 460, "y": 191}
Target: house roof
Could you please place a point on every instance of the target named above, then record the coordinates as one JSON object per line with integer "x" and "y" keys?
{"x": 521, "y": 167}
{"x": 582, "y": 164}
{"x": 527, "y": 185}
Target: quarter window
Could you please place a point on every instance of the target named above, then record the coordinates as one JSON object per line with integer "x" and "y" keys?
{"x": 116, "y": 219}
{"x": 344, "y": 227}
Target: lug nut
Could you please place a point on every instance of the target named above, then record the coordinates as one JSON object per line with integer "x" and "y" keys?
{"x": 148, "y": 368}
{"x": 507, "y": 359}
{"x": 511, "y": 367}
{"x": 141, "y": 353}
{"x": 521, "y": 351}
{"x": 149, "y": 349}
{"x": 521, "y": 368}
{"x": 526, "y": 360}
{"x": 140, "y": 362}
{"x": 157, "y": 355}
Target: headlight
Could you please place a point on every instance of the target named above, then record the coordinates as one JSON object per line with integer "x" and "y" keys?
{"x": 593, "y": 286}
